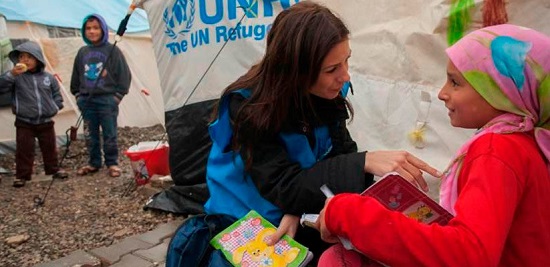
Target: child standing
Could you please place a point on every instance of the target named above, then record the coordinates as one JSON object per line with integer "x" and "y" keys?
{"x": 99, "y": 81}
{"x": 498, "y": 186}
{"x": 36, "y": 99}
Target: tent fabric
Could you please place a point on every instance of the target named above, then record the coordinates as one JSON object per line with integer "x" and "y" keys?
{"x": 187, "y": 128}
{"x": 186, "y": 45}
{"x": 5, "y": 62}
{"x": 398, "y": 56}
{"x": 200, "y": 46}
{"x": 63, "y": 13}
{"x": 5, "y": 46}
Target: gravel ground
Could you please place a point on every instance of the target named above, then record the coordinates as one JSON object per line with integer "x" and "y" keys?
{"x": 79, "y": 213}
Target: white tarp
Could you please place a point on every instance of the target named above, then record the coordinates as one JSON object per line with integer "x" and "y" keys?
{"x": 398, "y": 52}
{"x": 186, "y": 45}
{"x": 70, "y": 14}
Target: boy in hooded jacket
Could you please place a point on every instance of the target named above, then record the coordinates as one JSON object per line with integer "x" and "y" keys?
{"x": 36, "y": 99}
{"x": 100, "y": 79}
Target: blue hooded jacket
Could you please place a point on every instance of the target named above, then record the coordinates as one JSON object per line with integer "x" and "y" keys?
{"x": 104, "y": 28}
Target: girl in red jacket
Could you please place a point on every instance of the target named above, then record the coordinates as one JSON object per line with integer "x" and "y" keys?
{"x": 498, "y": 185}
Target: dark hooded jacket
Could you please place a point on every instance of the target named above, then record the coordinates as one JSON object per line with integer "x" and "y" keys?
{"x": 90, "y": 64}
{"x": 36, "y": 95}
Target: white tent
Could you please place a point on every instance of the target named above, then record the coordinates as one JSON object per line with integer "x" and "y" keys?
{"x": 397, "y": 65}
{"x": 398, "y": 56}
{"x": 45, "y": 21}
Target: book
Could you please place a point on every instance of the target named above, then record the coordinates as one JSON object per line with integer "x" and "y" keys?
{"x": 396, "y": 193}
{"x": 242, "y": 244}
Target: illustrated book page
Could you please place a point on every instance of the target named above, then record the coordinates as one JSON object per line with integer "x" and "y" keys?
{"x": 243, "y": 244}
{"x": 396, "y": 193}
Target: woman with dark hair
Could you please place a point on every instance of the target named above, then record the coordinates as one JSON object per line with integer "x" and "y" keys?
{"x": 280, "y": 130}
{"x": 287, "y": 122}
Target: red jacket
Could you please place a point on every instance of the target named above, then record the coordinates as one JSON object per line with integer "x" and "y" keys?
{"x": 502, "y": 215}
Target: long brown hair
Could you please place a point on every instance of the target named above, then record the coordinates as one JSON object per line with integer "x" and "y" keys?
{"x": 299, "y": 40}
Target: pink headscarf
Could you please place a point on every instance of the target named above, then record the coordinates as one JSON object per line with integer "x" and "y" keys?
{"x": 509, "y": 66}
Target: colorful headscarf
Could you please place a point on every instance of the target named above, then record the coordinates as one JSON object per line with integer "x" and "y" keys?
{"x": 509, "y": 66}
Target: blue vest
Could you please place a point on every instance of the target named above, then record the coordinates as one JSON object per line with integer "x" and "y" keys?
{"x": 232, "y": 191}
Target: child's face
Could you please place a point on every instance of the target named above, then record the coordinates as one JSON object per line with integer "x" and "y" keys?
{"x": 28, "y": 60}
{"x": 467, "y": 108}
{"x": 93, "y": 31}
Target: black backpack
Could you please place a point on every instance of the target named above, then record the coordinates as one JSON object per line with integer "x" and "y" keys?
{"x": 190, "y": 245}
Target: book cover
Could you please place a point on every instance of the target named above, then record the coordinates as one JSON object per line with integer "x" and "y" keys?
{"x": 243, "y": 244}
{"x": 396, "y": 193}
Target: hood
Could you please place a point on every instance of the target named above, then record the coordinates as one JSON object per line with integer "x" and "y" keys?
{"x": 31, "y": 48}
{"x": 103, "y": 25}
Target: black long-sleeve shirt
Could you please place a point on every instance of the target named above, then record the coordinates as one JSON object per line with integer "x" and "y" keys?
{"x": 296, "y": 190}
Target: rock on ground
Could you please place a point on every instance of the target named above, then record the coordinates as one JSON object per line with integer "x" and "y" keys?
{"x": 79, "y": 213}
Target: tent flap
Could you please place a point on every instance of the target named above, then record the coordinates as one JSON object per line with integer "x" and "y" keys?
{"x": 187, "y": 128}
{"x": 69, "y": 14}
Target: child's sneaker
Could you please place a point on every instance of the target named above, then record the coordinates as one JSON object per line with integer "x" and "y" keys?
{"x": 60, "y": 174}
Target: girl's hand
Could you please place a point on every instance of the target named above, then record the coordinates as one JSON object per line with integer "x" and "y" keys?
{"x": 322, "y": 227}
{"x": 289, "y": 226}
{"x": 402, "y": 162}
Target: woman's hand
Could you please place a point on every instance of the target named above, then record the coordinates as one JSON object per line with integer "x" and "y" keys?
{"x": 322, "y": 227}
{"x": 289, "y": 226}
{"x": 402, "y": 162}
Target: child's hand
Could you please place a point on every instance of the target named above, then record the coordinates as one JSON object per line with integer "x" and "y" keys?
{"x": 18, "y": 69}
{"x": 320, "y": 225}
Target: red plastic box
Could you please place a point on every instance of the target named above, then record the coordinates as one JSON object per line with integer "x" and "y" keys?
{"x": 148, "y": 159}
